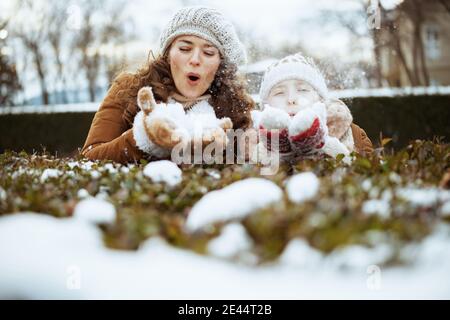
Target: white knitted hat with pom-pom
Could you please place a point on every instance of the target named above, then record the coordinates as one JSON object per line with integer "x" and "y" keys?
{"x": 208, "y": 24}
{"x": 293, "y": 67}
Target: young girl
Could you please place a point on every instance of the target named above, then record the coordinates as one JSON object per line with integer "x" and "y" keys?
{"x": 296, "y": 105}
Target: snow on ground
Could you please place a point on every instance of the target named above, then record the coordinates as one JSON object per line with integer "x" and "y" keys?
{"x": 424, "y": 197}
{"x": 164, "y": 171}
{"x": 43, "y": 257}
{"x": 232, "y": 241}
{"x": 50, "y": 173}
{"x": 95, "y": 211}
{"x": 359, "y": 257}
{"x": 378, "y": 207}
{"x": 302, "y": 187}
{"x": 299, "y": 254}
{"x": 235, "y": 201}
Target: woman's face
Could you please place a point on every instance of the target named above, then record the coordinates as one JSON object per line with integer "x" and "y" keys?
{"x": 193, "y": 63}
{"x": 292, "y": 96}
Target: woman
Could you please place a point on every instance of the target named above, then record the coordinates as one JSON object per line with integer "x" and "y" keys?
{"x": 199, "y": 54}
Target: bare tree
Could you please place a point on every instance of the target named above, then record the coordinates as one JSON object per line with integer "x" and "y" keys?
{"x": 362, "y": 24}
{"x": 85, "y": 44}
{"x": 100, "y": 26}
{"x": 56, "y": 32}
{"x": 33, "y": 39}
{"x": 9, "y": 81}
{"x": 114, "y": 33}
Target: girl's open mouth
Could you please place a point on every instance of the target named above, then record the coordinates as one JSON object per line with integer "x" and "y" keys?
{"x": 193, "y": 78}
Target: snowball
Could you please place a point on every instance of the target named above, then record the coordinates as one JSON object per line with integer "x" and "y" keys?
{"x": 235, "y": 201}
{"x": 95, "y": 210}
{"x": 377, "y": 207}
{"x": 273, "y": 118}
{"x": 304, "y": 119}
{"x": 173, "y": 111}
{"x": 50, "y": 173}
{"x": 199, "y": 118}
{"x": 302, "y": 187}
{"x": 232, "y": 240}
{"x": 164, "y": 171}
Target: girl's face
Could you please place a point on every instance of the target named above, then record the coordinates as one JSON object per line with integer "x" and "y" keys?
{"x": 193, "y": 63}
{"x": 292, "y": 96}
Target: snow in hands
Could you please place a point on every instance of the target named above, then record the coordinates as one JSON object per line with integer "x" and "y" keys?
{"x": 306, "y": 133}
{"x": 199, "y": 120}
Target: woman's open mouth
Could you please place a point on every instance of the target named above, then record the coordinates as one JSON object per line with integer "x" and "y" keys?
{"x": 193, "y": 78}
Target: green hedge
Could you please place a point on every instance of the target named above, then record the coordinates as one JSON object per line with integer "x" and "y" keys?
{"x": 401, "y": 118}
{"x": 61, "y": 133}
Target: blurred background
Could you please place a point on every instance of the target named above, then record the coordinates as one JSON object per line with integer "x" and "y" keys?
{"x": 61, "y": 56}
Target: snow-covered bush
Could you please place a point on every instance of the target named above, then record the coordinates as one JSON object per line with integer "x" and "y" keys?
{"x": 326, "y": 204}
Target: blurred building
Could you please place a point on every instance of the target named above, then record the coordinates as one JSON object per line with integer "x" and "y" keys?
{"x": 414, "y": 43}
